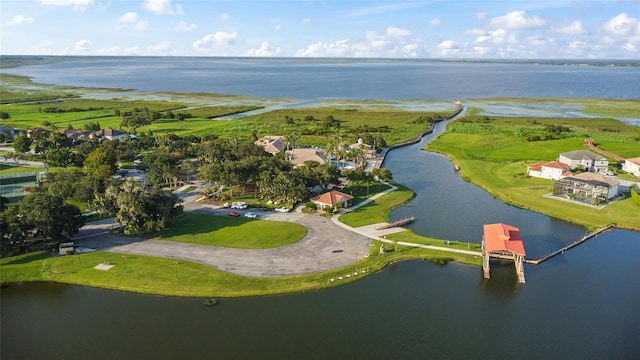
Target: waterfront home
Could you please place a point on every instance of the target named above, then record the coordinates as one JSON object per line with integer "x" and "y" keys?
{"x": 333, "y": 199}
{"x": 589, "y": 188}
{"x": 553, "y": 170}
{"x": 271, "y": 144}
{"x": 588, "y": 160}
{"x": 73, "y": 134}
{"x": 299, "y": 156}
{"x": 367, "y": 150}
{"x": 632, "y": 166}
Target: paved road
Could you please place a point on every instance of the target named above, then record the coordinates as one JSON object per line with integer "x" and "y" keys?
{"x": 328, "y": 244}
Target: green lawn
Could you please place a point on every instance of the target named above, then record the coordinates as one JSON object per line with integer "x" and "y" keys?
{"x": 378, "y": 210}
{"x": 410, "y": 236}
{"x": 233, "y": 232}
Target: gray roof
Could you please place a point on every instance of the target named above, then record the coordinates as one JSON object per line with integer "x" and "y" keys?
{"x": 581, "y": 155}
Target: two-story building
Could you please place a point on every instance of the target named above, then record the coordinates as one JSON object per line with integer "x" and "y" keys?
{"x": 588, "y": 160}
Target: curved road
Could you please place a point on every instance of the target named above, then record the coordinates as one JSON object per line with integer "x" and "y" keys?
{"x": 326, "y": 246}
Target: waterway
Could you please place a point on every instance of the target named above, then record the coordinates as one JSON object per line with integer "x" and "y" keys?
{"x": 448, "y": 207}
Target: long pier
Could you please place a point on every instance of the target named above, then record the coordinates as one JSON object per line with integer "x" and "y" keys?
{"x": 563, "y": 249}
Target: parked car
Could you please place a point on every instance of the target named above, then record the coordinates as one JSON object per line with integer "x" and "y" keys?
{"x": 239, "y": 205}
{"x": 234, "y": 214}
{"x": 226, "y": 205}
{"x": 251, "y": 215}
{"x": 283, "y": 209}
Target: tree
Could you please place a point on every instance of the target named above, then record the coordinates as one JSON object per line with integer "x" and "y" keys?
{"x": 140, "y": 209}
{"x": 4, "y": 115}
{"x": 3, "y": 203}
{"x": 63, "y": 183}
{"x": 21, "y": 143}
{"x": 60, "y": 157}
{"x": 383, "y": 174}
{"x": 101, "y": 163}
{"x": 50, "y": 217}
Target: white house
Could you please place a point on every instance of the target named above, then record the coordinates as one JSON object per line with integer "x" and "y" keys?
{"x": 271, "y": 144}
{"x": 587, "y": 187}
{"x": 300, "y": 156}
{"x": 111, "y": 134}
{"x": 554, "y": 170}
{"x": 589, "y": 160}
{"x": 632, "y": 166}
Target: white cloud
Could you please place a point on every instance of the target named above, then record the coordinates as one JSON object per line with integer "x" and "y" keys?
{"x": 476, "y": 32}
{"x": 129, "y": 18}
{"x": 134, "y": 50}
{"x": 19, "y": 19}
{"x": 397, "y": 32}
{"x": 436, "y": 22}
{"x": 82, "y": 45}
{"x": 162, "y": 47}
{"x": 622, "y": 24}
{"x": 46, "y": 48}
{"x": 183, "y": 26}
{"x": 497, "y": 36}
{"x": 263, "y": 50}
{"x": 394, "y": 42}
{"x": 516, "y": 20}
{"x": 141, "y": 25}
{"x": 132, "y": 18}
{"x": 224, "y": 16}
{"x": 448, "y": 48}
{"x": 575, "y": 28}
{"x": 339, "y": 48}
{"x": 211, "y": 42}
{"x": 78, "y": 5}
{"x": 162, "y": 7}
{"x": 306, "y": 20}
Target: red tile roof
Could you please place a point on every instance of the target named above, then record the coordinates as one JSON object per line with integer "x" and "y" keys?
{"x": 503, "y": 237}
{"x": 332, "y": 198}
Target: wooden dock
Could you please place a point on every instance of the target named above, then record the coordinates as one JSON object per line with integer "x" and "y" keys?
{"x": 397, "y": 223}
{"x": 563, "y": 249}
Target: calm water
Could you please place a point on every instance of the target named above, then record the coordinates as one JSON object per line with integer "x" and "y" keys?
{"x": 350, "y": 79}
{"x": 580, "y": 305}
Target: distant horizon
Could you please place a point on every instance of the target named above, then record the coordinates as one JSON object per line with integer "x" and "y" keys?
{"x": 485, "y": 29}
{"x": 506, "y": 60}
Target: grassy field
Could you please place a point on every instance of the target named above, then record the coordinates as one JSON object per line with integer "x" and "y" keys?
{"x": 161, "y": 276}
{"x": 410, "y": 236}
{"x": 233, "y": 232}
{"x": 378, "y": 210}
{"x": 495, "y": 155}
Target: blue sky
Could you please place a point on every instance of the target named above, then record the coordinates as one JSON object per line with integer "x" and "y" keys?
{"x": 323, "y": 28}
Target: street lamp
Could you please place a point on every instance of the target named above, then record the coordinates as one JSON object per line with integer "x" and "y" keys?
{"x": 175, "y": 263}
{"x": 124, "y": 259}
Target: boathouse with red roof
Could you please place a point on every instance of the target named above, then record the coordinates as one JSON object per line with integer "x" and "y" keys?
{"x": 502, "y": 241}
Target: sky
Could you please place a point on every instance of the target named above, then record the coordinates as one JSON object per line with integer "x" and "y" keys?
{"x": 492, "y": 29}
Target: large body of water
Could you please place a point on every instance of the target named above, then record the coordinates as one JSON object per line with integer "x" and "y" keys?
{"x": 580, "y": 305}
{"x": 346, "y": 78}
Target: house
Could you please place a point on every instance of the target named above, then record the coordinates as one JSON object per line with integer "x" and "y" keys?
{"x": 588, "y": 160}
{"x": 111, "y": 134}
{"x": 589, "y": 188}
{"x": 38, "y": 133}
{"x": 299, "y": 156}
{"x": 332, "y": 199}
{"x": 632, "y": 166}
{"x": 271, "y": 144}
{"x": 554, "y": 170}
{"x": 368, "y": 151}
{"x": 73, "y": 134}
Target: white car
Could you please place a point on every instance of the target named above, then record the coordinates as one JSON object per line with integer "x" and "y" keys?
{"x": 239, "y": 205}
{"x": 251, "y": 215}
{"x": 283, "y": 209}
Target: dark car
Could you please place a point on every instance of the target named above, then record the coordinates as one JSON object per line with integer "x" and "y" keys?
{"x": 234, "y": 214}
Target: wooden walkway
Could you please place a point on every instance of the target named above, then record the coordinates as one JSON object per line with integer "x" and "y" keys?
{"x": 563, "y": 249}
{"x": 397, "y": 223}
